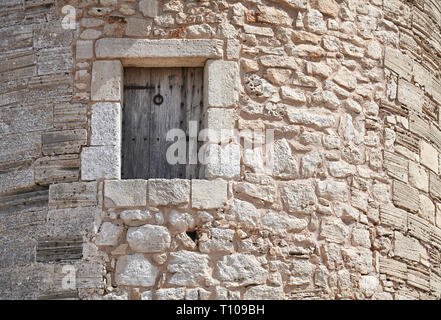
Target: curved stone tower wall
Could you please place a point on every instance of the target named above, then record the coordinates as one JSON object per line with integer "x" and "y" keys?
{"x": 352, "y": 209}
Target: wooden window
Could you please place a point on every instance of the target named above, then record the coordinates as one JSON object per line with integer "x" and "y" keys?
{"x": 147, "y": 119}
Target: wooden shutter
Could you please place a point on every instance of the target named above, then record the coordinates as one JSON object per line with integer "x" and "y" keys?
{"x": 145, "y": 124}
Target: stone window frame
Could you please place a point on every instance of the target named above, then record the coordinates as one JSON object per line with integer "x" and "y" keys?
{"x": 101, "y": 160}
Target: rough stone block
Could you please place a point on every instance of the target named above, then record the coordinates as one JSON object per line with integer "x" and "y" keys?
{"x": 265, "y": 193}
{"x": 189, "y": 268}
{"x": 298, "y": 197}
{"x": 327, "y": 7}
{"x": 264, "y": 292}
{"x": 162, "y": 192}
{"x": 107, "y": 81}
{"x": 125, "y": 193}
{"x": 333, "y": 230}
{"x": 138, "y": 27}
{"x": 100, "y": 163}
{"x": 135, "y": 270}
{"x": 429, "y": 156}
{"x": 240, "y": 270}
{"x": 109, "y": 234}
{"x": 106, "y": 124}
{"x": 221, "y": 83}
{"x": 407, "y": 247}
{"x": 404, "y": 196}
{"x": 333, "y": 190}
{"x": 310, "y": 118}
{"x": 221, "y": 240}
{"x": 208, "y": 194}
{"x": 393, "y": 269}
{"x": 148, "y": 238}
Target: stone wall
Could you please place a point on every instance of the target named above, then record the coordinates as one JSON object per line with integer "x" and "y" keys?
{"x": 352, "y": 209}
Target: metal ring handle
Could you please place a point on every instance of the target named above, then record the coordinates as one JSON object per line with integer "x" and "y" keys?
{"x": 158, "y": 99}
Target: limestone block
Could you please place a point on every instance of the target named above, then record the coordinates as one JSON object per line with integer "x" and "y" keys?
{"x": 221, "y": 83}
{"x": 394, "y": 270}
{"x": 265, "y": 193}
{"x": 241, "y": 270}
{"x": 275, "y": 61}
{"x": 136, "y": 218}
{"x": 397, "y": 166}
{"x": 170, "y": 294}
{"x": 410, "y": 95}
{"x": 149, "y": 8}
{"x": 138, "y": 27}
{"x": 125, "y": 193}
{"x": 71, "y": 195}
{"x": 84, "y": 49}
{"x": 407, "y": 247}
{"x": 419, "y": 228}
{"x": 292, "y": 95}
{"x": 222, "y": 161}
{"x": 106, "y": 124}
{"x": 398, "y": 62}
{"x": 135, "y": 270}
{"x": 281, "y": 224}
{"x": 418, "y": 177}
{"x": 434, "y": 186}
{"x": 63, "y": 142}
{"x": 109, "y": 234}
{"x": 429, "y": 156}
{"x": 208, "y": 194}
{"x": 301, "y": 272}
{"x": 159, "y": 53}
{"x": 19, "y": 147}
{"x": 368, "y": 285}
{"x": 245, "y": 213}
{"x": 298, "y": 197}
{"x": 314, "y": 22}
{"x": 327, "y": 7}
{"x": 404, "y": 196}
{"x": 398, "y": 12}
{"x": 16, "y": 179}
{"x": 295, "y": 4}
{"x": 271, "y": 15}
{"x": 310, "y": 118}
{"x": 162, "y": 192}
{"x": 333, "y": 230}
{"x": 345, "y": 78}
{"x": 180, "y": 221}
{"x": 361, "y": 237}
{"x": 220, "y": 123}
{"x": 148, "y": 238}
{"x": 189, "y": 268}
{"x": 107, "y": 81}
{"x": 221, "y": 240}
{"x": 64, "y": 168}
{"x": 233, "y": 49}
{"x": 264, "y": 292}
{"x": 310, "y": 163}
{"x": 260, "y": 31}
{"x": 333, "y": 190}
{"x": 72, "y": 221}
{"x": 100, "y": 163}
{"x": 427, "y": 208}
